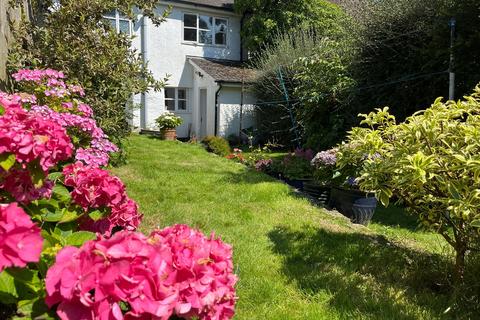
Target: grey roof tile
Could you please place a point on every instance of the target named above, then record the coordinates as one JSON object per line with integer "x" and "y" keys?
{"x": 218, "y": 4}
{"x": 225, "y": 70}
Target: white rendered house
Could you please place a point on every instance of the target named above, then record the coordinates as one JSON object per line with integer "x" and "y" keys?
{"x": 200, "y": 48}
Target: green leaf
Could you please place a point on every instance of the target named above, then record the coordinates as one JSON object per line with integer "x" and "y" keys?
{"x": 7, "y": 161}
{"x": 26, "y": 281}
{"x": 34, "y": 309}
{"x": 96, "y": 215}
{"x": 61, "y": 193}
{"x": 37, "y": 174}
{"x": 69, "y": 216}
{"x": 8, "y": 292}
{"x": 54, "y": 216}
{"x": 475, "y": 223}
{"x": 64, "y": 230}
{"x": 54, "y": 176}
{"x": 79, "y": 238}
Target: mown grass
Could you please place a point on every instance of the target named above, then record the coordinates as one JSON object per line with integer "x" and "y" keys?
{"x": 294, "y": 260}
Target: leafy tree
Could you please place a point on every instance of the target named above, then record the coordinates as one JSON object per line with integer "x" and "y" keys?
{"x": 263, "y": 19}
{"x": 403, "y": 51}
{"x": 71, "y": 35}
{"x": 314, "y": 69}
{"x": 431, "y": 163}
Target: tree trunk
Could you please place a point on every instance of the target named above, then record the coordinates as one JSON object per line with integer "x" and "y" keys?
{"x": 460, "y": 250}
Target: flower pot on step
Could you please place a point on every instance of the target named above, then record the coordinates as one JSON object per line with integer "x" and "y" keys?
{"x": 169, "y": 134}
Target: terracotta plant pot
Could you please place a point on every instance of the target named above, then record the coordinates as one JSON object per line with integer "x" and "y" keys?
{"x": 169, "y": 134}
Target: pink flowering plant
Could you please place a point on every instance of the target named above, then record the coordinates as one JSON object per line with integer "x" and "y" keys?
{"x": 68, "y": 242}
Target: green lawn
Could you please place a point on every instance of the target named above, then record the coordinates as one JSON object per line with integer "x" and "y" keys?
{"x": 294, "y": 260}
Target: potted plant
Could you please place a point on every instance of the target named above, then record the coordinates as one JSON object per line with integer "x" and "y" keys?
{"x": 346, "y": 195}
{"x": 167, "y": 123}
{"x": 297, "y": 168}
{"x": 324, "y": 167}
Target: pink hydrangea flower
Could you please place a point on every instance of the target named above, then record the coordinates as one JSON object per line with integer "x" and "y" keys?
{"x": 95, "y": 188}
{"x": 90, "y": 282}
{"x": 204, "y": 269}
{"x": 20, "y": 240}
{"x": 100, "y": 147}
{"x": 30, "y": 137}
{"x": 37, "y": 75}
{"x": 175, "y": 271}
{"x": 20, "y": 186}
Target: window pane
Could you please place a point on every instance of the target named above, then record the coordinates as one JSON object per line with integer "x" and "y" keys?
{"x": 170, "y": 105}
{"x": 182, "y": 104}
{"x": 190, "y": 20}
{"x": 190, "y": 34}
{"x": 112, "y": 23}
{"x": 205, "y": 22}
{"x": 169, "y": 93}
{"x": 182, "y": 94}
{"x": 220, "y": 25}
{"x": 221, "y": 38}
{"x": 205, "y": 37}
{"x": 125, "y": 26}
{"x": 110, "y": 14}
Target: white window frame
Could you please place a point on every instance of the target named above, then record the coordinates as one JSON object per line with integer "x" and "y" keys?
{"x": 117, "y": 19}
{"x": 214, "y": 24}
{"x": 177, "y": 99}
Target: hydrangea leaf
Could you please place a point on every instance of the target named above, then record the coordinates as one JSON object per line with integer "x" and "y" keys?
{"x": 8, "y": 292}
{"x": 61, "y": 193}
{"x": 77, "y": 239}
{"x": 7, "y": 161}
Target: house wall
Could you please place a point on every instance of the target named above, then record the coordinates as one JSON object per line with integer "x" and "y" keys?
{"x": 167, "y": 54}
{"x": 229, "y": 112}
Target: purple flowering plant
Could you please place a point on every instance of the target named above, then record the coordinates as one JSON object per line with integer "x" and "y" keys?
{"x": 324, "y": 164}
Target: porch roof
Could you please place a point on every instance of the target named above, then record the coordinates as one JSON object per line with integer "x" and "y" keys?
{"x": 225, "y": 70}
{"x": 217, "y": 4}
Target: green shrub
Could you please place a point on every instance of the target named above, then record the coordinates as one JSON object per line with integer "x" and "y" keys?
{"x": 217, "y": 145}
{"x": 431, "y": 163}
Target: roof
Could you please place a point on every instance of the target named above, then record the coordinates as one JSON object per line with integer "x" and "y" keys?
{"x": 225, "y": 70}
{"x": 216, "y": 4}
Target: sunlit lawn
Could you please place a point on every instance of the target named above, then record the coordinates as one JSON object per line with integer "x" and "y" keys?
{"x": 294, "y": 260}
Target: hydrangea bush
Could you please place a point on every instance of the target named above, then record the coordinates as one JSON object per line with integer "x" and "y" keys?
{"x": 68, "y": 242}
{"x": 324, "y": 164}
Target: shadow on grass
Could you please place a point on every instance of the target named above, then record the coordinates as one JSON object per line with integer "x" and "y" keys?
{"x": 365, "y": 275}
{"x": 395, "y": 217}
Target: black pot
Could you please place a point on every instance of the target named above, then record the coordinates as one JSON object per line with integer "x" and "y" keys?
{"x": 344, "y": 200}
{"x": 317, "y": 191}
{"x": 296, "y": 183}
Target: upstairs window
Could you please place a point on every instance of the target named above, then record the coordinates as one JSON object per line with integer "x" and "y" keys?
{"x": 119, "y": 22}
{"x": 176, "y": 99}
{"x": 205, "y": 29}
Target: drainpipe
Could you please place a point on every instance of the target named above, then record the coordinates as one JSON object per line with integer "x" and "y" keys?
{"x": 217, "y": 107}
{"x": 242, "y": 52}
{"x": 143, "y": 110}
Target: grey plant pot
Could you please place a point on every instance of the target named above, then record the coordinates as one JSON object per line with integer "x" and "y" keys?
{"x": 363, "y": 210}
